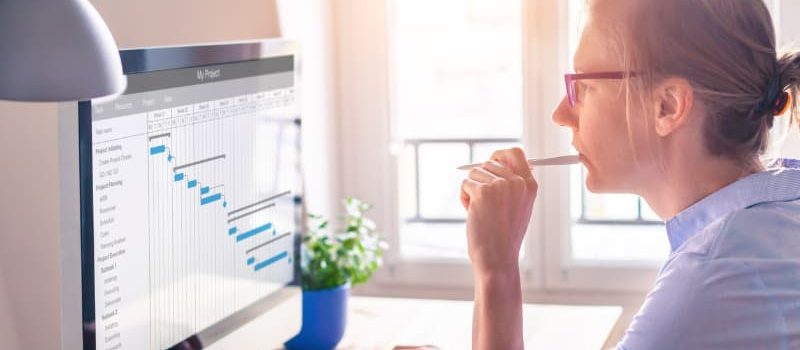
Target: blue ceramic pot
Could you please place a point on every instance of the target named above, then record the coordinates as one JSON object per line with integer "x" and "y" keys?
{"x": 324, "y": 319}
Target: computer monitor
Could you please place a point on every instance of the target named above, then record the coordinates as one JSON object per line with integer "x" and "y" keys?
{"x": 190, "y": 194}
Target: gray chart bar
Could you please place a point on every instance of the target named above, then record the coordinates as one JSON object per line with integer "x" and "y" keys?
{"x": 166, "y": 134}
{"x": 262, "y": 245}
{"x": 221, "y": 156}
{"x": 251, "y": 212}
{"x": 259, "y": 202}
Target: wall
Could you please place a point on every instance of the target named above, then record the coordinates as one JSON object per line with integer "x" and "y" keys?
{"x": 310, "y": 23}
{"x": 154, "y": 23}
{"x": 29, "y": 241}
{"x": 7, "y": 329}
{"x": 29, "y": 223}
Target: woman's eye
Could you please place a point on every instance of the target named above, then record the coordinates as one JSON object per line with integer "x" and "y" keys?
{"x": 582, "y": 88}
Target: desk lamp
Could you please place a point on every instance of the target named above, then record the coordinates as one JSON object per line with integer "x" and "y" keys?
{"x": 56, "y": 50}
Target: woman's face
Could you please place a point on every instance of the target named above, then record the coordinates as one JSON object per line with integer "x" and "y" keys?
{"x": 598, "y": 120}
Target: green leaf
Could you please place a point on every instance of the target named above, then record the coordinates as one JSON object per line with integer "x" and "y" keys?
{"x": 333, "y": 258}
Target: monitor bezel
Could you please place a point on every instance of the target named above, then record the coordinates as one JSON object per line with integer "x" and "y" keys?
{"x": 152, "y": 59}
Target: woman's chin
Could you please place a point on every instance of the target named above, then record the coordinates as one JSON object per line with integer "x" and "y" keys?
{"x": 595, "y": 185}
{"x": 592, "y": 185}
{"x": 610, "y": 180}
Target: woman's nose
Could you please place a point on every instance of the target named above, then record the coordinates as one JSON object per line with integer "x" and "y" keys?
{"x": 564, "y": 115}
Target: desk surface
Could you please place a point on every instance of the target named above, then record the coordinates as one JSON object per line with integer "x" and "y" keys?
{"x": 381, "y": 323}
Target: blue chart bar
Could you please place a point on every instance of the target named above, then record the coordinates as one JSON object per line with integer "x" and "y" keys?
{"x": 178, "y": 176}
{"x": 157, "y": 149}
{"x": 204, "y": 190}
{"x": 251, "y": 260}
{"x": 232, "y": 230}
{"x": 253, "y": 232}
{"x": 192, "y": 183}
{"x": 271, "y": 260}
{"x": 210, "y": 199}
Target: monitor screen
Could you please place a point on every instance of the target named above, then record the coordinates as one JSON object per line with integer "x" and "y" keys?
{"x": 189, "y": 194}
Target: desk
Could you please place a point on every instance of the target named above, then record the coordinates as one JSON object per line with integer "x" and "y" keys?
{"x": 381, "y": 323}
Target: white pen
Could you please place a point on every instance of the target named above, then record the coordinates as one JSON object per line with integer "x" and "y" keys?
{"x": 562, "y": 160}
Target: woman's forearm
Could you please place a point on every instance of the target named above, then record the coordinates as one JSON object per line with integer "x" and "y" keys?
{"x": 497, "y": 317}
{"x": 498, "y": 197}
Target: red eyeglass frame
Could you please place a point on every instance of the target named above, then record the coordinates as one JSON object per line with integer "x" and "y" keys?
{"x": 570, "y": 79}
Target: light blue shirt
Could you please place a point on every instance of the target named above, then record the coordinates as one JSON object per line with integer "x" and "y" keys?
{"x": 732, "y": 280}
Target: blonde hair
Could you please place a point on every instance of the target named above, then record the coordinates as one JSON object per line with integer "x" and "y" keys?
{"x": 726, "y": 50}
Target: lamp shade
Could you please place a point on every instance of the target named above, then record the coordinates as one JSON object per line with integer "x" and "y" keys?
{"x": 56, "y": 50}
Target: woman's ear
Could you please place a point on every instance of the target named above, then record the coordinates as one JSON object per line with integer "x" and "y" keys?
{"x": 674, "y": 100}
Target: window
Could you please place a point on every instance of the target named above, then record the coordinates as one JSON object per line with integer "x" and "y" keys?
{"x": 613, "y": 227}
{"x": 457, "y": 97}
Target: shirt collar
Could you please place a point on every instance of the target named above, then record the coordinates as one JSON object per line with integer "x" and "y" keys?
{"x": 780, "y": 182}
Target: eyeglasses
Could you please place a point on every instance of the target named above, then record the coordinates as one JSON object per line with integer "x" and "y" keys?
{"x": 573, "y": 91}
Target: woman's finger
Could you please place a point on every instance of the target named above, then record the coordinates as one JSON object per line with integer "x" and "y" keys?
{"x": 470, "y": 187}
{"x": 481, "y": 175}
{"x": 515, "y": 159}
{"x": 464, "y": 197}
{"x": 498, "y": 169}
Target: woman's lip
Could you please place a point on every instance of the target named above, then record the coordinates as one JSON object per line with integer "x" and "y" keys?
{"x": 580, "y": 154}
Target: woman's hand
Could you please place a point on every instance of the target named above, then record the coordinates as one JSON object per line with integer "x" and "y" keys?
{"x": 498, "y": 197}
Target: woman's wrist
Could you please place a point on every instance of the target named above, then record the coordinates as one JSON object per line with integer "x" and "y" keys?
{"x": 494, "y": 263}
{"x": 497, "y": 318}
{"x": 504, "y": 278}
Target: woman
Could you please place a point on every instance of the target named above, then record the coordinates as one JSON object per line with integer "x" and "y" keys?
{"x": 679, "y": 114}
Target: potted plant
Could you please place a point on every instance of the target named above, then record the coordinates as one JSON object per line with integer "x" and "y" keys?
{"x": 332, "y": 262}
